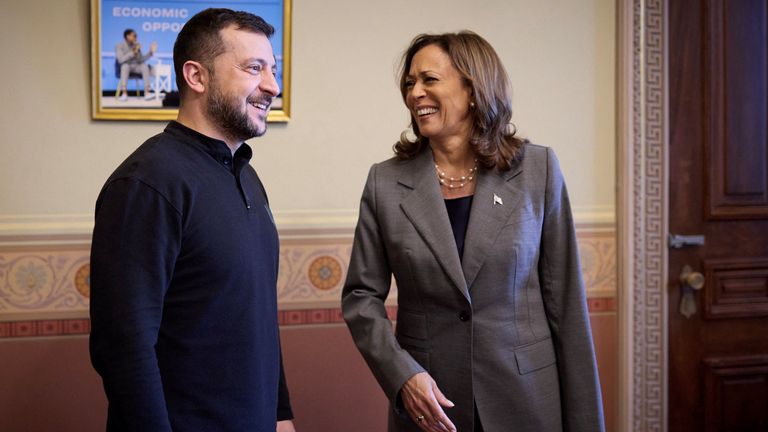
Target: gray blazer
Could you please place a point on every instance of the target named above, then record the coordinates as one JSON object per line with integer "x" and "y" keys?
{"x": 507, "y": 327}
{"x": 124, "y": 54}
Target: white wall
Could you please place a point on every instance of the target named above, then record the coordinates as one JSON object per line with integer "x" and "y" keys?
{"x": 346, "y": 109}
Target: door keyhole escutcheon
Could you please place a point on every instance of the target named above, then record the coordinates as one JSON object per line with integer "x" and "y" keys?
{"x": 690, "y": 282}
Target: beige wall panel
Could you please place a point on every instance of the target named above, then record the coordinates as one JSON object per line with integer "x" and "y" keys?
{"x": 346, "y": 108}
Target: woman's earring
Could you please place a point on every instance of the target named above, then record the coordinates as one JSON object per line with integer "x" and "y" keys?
{"x": 471, "y": 105}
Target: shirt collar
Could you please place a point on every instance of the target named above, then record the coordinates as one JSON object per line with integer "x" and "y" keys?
{"x": 217, "y": 149}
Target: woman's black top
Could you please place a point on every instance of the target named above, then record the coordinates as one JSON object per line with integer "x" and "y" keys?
{"x": 458, "y": 213}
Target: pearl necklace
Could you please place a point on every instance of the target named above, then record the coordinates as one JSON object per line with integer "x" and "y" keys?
{"x": 450, "y": 182}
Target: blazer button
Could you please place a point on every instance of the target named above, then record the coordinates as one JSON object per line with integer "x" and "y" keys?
{"x": 464, "y": 316}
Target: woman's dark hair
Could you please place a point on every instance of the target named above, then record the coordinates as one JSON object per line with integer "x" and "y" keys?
{"x": 200, "y": 40}
{"x": 492, "y": 136}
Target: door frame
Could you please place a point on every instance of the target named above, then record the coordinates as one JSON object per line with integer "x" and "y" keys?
{"x": 642, "y": 219}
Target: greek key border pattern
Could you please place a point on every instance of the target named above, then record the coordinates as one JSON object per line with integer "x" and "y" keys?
{"x": 637, "y": 217}
{"x": 649, "y": 218}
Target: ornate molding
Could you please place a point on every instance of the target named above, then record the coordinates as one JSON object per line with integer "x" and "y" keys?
{"x": 597, "y": 250}
{"x": 40, "y": 280}
{"x": 642, "y": 214}
{"x": 76, "y": 228}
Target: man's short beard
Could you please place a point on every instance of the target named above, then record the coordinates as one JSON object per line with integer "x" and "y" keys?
{"x": 225, "y": 113}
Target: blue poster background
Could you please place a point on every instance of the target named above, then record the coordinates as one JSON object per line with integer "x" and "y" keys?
{"x": 161, "y": 21}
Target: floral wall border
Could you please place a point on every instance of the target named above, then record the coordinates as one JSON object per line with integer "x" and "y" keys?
{"x": 48, "y": 284}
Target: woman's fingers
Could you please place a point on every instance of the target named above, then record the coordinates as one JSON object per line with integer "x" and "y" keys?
{"x": 440, "y": 420}
{"x": 441, "y": 399}
{"x": 423, "y": 399}
{"x": 420, "y": 411}
{"x": 439, "y": 413}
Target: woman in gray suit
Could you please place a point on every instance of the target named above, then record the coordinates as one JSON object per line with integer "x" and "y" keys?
{"x": 475, "y": 224}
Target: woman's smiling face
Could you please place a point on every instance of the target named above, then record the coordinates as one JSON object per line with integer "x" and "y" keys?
{"x": 437, "y": 95}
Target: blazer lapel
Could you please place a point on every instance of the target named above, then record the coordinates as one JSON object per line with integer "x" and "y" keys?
{"x": 425, "y": 208}
{"x": 496, "y": 197}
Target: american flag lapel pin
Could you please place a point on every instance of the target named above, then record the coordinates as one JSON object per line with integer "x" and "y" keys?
{"x": 497, "y": 200}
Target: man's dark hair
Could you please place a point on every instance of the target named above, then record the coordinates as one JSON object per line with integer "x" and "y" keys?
{"x": 200, "y": 40}
{"x": 127, "y": 32}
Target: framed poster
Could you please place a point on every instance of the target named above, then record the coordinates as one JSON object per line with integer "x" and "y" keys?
{"x": 147, "y": 89}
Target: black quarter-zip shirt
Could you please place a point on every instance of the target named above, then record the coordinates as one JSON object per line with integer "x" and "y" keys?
{"x": 184, "y": 266}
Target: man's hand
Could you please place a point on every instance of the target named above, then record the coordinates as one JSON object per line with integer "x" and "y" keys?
{"x": 424, "y": 402}
{"x": 152, "y": 48}
{"x": 285, "y": 426}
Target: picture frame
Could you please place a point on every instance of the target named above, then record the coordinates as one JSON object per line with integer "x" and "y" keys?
{"x": 156, "y": 24}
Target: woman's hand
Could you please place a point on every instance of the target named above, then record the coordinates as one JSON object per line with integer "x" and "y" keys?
{"x": 424, "y": 402}
{"x": 285, "y": 426}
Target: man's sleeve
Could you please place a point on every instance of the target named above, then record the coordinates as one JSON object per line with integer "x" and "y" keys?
{"x": 144, "y": 56}
{"x": 123, "y": 53}
{"x": 284, "y": 411}
{"x": 136, "y": 239}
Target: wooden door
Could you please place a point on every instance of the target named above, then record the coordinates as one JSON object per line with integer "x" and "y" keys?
{"x": 718, "y": 89}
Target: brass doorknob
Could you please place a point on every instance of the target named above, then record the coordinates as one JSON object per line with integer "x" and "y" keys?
{"x": 691, "y": 278}
{"x": 690, "y": 282}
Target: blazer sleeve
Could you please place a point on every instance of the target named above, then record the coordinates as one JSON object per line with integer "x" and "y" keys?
{"x": 566, "y": 307}
{"x": 123, "y": 52}
{"x": 362, "y": 300}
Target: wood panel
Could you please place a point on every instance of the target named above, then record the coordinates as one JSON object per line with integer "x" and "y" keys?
{"x": 736, "y": 288}
{"x": 736, "y": 393}
{"x": 737, "y": 57}
{"x": 718, "y": 187}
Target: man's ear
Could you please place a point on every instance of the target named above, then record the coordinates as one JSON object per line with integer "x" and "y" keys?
{"x": 196, "y": 76}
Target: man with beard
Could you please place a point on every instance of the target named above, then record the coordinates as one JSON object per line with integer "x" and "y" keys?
{"x": 184, "y": 256}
